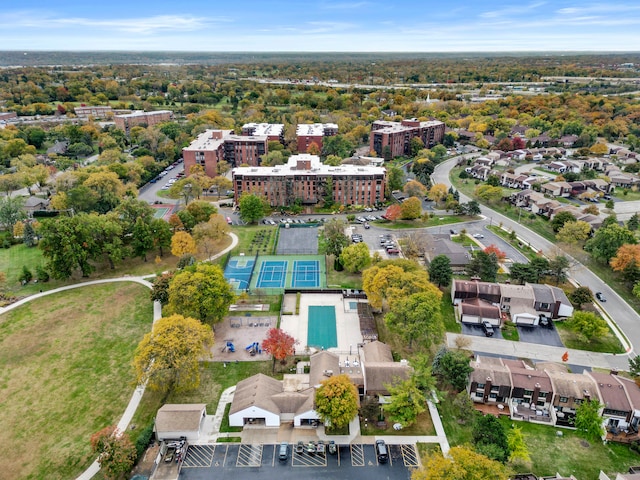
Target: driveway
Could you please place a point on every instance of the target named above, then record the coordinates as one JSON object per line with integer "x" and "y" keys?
{"x": 477, "y": 331}
{"x": 540, "y": 335}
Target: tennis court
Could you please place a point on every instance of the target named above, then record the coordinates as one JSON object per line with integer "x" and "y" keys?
{"x": 238, "y": 272}
{"x": 306, "y": 274}
{"x": 272, "y": 274}
{"x": 322, "y": 327}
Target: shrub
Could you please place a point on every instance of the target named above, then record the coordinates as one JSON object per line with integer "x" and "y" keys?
{"x": 143, "y": 440}
{"x": 42, "y": 274}
{"x": 26, "y": 276}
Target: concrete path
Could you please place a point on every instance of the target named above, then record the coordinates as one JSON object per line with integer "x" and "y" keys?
{"x": 535, "y": 351}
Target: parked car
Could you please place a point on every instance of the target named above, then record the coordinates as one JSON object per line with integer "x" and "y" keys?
{"x": 283, "y": 453}
{"x": 393, "y": 251}
{"x": 488, "y": 328}
{"x": 311, "y": 448}
{"x": 601, "y": 297}
{"x": 382, "y": 452}
{"x": 367, "y": 226}
{"x": 478, "y": 235}
{"x": 333, "y": 448}
{"x": 300, "y": 447}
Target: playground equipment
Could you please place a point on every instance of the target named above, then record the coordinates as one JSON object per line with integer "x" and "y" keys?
{"x": 253, "y": 348}
{"x": 229, "y": 346}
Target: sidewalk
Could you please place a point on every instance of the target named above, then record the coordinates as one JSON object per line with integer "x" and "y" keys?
{"x": 533, "y": 351}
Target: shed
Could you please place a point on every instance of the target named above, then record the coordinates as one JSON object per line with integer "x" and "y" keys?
{"x": 180, "y": 420}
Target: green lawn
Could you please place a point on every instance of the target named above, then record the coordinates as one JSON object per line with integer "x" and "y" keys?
{"x": 606, "y": 344}
{"x": 66, "y": 374}
{"x": 432, "y": 222}
{"x": 13, "y": 259}
{"x": 626, "y": 194}
{"x": 570, "y": 454}
{"x": 448, "y": 315}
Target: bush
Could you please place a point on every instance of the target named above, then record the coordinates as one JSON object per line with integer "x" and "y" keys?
{"x": 42, "y": 274}
{"x": 26, "y": 276}
{"x": 143, "y": 440}
{"x": 186, "y": 261}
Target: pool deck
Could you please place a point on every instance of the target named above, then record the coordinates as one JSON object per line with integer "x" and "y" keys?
{"x": 347, "y": 324}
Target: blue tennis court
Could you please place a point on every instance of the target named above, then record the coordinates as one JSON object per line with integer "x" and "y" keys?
{"x": 306, "y": 274}
{"x": 238, "y": 272}
{"x": 322, "y": 327}
{"x": 272, "y": 274}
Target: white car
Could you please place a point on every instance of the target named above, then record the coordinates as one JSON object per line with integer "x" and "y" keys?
{"x": 478, "y": 235}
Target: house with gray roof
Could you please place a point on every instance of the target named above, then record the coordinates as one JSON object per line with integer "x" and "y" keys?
{"x": 458, "y": 256}
{"x": 174, "y": 421}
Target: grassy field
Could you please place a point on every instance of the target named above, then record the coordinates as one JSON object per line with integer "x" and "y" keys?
{"x": 13, "y": 259}
{"x": 606, "y": 344}
{"x": 423, "y": 426}
{"x": 66, "y": 375}
{"x": 448, "y": 315}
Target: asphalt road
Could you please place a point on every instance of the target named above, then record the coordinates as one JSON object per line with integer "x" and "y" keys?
{"x": 626, "y": 317}
{"x": 148, "y": 193}
{"x": 239, "y": 462}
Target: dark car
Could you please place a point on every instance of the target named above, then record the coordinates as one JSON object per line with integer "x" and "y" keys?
{"x": 488, "y": 328}
{"x": 382, "y": 452}
{"x": 601, "y": 297}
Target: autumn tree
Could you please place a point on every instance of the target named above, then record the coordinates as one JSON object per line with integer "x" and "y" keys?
{"x": 336, "y": 401}
{"x": 437, "y": 192}
{"x": 142, "y": 239}
{"x": 518, "y": 451}
{"x": 182, "y": 243}
{"x": 11, "y": 211}
{"x": 461, "y": 463}
{"x": 493, "y": 249}
{"x": 393, "y": 212}
{"x": 116, "y": 453}
{"x": 484, "y": 265}
{"x": 167, "y": 359}
{"x": 574, "y": 232}
{"x": 392, "y": 279}
{"x": 588, "y": 420}
{"x": 414, "y": 188}
{"x": 201, "y": 292}
{"x": 407, "y": 401}
{"x": 417, "y": 317}
{"x": 356, "y": 257}
{"x": 411, "y": 208}
{"x": 440, "y": 271}
{"x": 208, "y": 234}
{"x": 588, "y": 325}
{"x": 488, "y": 194}
{"x": 279, "y": 345}
{"x": 160, "y": 288}
{"x": 627, "y": 256}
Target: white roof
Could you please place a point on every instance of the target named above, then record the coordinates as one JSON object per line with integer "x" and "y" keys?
{"x": 270, "y": 129}
{"x": 317, "y": 168}
{"x": 140, "y": 113}
{"x": 314, "y": 129}
{"x": 205, "y": 140}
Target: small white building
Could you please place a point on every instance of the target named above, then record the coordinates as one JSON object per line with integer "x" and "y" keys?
{"x": 174, "y": 421}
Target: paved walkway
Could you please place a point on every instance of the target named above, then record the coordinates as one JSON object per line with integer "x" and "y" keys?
{"x": 535, "y": 351}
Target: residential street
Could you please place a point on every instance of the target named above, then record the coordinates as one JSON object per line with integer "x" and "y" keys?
{"x": 626, "y": 317}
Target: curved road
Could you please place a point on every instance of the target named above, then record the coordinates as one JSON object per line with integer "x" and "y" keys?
{"x": 620, "y": 311}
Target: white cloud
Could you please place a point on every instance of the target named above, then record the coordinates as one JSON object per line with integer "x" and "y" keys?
{"x": 512, "y": 10}
{"x": 344, "y": 5}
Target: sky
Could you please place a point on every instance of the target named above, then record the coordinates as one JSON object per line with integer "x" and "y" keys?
{"x": 321, "y": 25}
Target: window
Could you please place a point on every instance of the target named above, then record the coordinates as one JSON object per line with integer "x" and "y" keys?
{"x": 481, "y": 385}
{"x": 540, "y": 403}
{"x": 542, "y": 395}
{"x": 564, "y": 399}
{"x": 493, "y": 395}
{"x": 578, "y": 401}
{"x": 528, "y": 393}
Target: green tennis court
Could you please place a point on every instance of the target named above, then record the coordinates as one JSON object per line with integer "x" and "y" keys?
{"x": 322, "y": 327}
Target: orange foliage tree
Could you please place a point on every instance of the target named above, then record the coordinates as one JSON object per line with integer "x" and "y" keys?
{"x": 116, "y": 452}
{"x": 500, "y": 255}
{"x": 393, "y": 212}
{"x": 626, "y": 256}
{"x": 279, "y": 344}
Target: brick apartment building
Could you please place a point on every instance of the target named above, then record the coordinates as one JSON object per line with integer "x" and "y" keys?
{"x": 125, "y": 122}
{"x": 273, "y": 131}
{"x": 212, "y": 146}
{"x": 97, "y": 111}
{"x": 308, "y": 133}
{"x": 4, "y": 116}
{"x": 306, "y": 179}
{"x": 398, "y": 135}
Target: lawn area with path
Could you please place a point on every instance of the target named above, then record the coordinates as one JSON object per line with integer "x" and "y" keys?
{"x": 67, "y": 374}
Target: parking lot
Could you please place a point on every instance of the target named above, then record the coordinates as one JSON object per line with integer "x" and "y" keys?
{"x": 540, "y": 335}
{"x": 353, "y": 462}
{"x": 476, "y": 330}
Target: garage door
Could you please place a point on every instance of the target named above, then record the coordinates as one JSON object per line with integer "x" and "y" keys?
{"x": 470, "y": 319}
{"x": 522, "y": 320}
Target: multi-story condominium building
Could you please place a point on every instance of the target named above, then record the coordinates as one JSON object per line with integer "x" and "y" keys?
{"x": 212, "y": 146}
{"x": 397, "y": 135}
{"x": 97, "y": 111}
{"x": 309, "y": 133}
{"x": 273, "y": 131}
{"x": 306, "y": 179}
{"x": 125, "y": 122}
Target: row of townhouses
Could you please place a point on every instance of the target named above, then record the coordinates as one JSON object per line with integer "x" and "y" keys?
{"x": 550, "y": 394}
{"x": 526, "y": 304}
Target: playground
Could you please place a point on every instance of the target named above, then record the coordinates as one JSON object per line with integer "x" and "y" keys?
{"x": 238, "y": 336}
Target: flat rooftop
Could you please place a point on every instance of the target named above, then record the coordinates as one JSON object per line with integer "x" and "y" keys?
{"x": 317, "y": 168}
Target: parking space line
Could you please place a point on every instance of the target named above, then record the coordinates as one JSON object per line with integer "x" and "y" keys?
{"x": 306, "y": 460}
{"x": 249, "y": 456}
{"x": 199, "y": 456}
{"x": 357, "y": 455}
{"x": 409, "y": 455}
